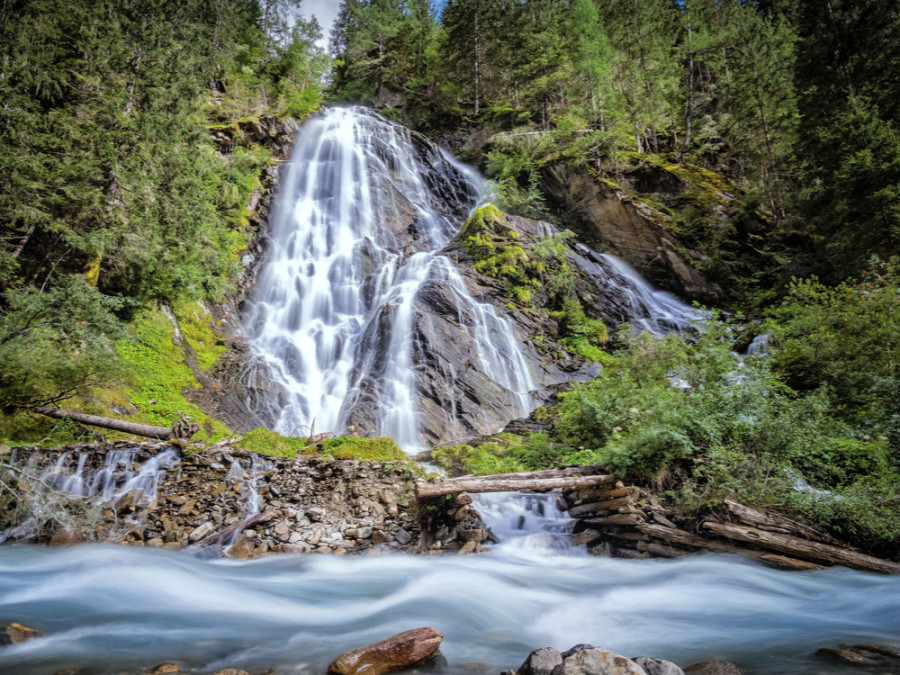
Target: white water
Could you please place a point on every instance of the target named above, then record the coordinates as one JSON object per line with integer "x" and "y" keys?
{"x": 646, "y": 308}
{"x": 116, "y": 608}
{"x": 527, "y": 523}
{"x": 334, "y": 311}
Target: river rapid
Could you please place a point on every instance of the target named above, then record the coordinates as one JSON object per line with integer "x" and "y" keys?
{"x": 112, "y": 608}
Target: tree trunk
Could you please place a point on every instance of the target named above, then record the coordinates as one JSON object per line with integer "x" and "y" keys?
{"x": 493, "y": 484}
{"x": 477, "y": 65}
{"x": 802, "y": 548}
{"x": 179, "y": 430}
{"x": 689, "y": 105}
{"x": 24, "y": 242}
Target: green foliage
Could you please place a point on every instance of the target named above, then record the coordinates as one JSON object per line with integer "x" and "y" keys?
{"x": 56, "y": 343}
{"x": 517, "y": 182}
{"x": 579, "y": 333}
{"x": 845, "y": 337}
{"x": 710, "y": 425}
{"x": 482, "y": 460}
{"x": 158, "y": 376}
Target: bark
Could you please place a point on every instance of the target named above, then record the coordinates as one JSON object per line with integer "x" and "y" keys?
{"x": 492, "y": 484}
{"x": 802, "y": 548}
{"x": 780, "y": 524}
{"x": 591, "y": 470}
{"x": 689, "y": 105}
{"x": 179, "y": 429}
{"x": 24, "y": 242}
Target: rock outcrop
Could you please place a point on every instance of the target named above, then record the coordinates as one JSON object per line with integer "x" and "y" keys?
{"x": 637, "y": 232}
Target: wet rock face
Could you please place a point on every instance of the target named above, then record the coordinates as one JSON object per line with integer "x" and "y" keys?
{"x": 632, "y": 230}
{"x": 398, "y": 652}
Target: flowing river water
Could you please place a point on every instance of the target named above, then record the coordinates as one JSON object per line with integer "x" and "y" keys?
{"x": 338, "y": 286}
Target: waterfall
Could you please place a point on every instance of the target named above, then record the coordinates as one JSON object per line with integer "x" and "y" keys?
{"x": 364, "y": 212}
{"x": 644, "y": 307}
{"x": 527, "y": 523}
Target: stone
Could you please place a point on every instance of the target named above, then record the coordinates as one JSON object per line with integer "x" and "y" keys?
{"x": 868, "y": 655}
{"x": 16, "y": 633}
{"x": 202, "y": 531}
{"x": 397, "y": 652}
{"x": 359, "y": 532}
{"x": 231, "y": 671}
{"x": 67, "y": 538}
{"x": 165, "y": 669}
{"x": 477, "y": 534}
{"x": 541, "y": 662}
{"x": 714, "y": 667}
{"x": 653, "y": 666}
{"x": 403, "y": 537}
{"x": 156, "y": 542}
{"x": 597, "y": 661}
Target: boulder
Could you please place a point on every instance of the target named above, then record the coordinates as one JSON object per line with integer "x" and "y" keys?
{"x": 541, "y": 662}
{"x": 397, "y": 652}
{"x": 596, "y": 661}
{"x": 714, "y": 667}
{"x": 16, "y": 633}
{"x": 653, "y": 666}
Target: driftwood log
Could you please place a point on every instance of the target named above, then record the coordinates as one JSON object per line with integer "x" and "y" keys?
{"x": 181, "y": 429}
{"x": 802, "y": 548}
{"x": 506, "y": 483}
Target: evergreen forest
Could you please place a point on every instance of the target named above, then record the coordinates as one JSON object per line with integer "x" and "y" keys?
{"x": 764, "y": 137}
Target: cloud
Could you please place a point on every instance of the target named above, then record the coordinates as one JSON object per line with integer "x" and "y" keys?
{"x": 325, "y": 11}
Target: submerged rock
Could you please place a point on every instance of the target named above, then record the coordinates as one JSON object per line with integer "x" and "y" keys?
{"x": 864, "y": 655}
{"x": 16, "y": 633}
{"x": 397, "y": 652}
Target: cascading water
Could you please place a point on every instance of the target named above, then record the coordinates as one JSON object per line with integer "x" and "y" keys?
{"x": 527, "y": 523}
{"x": 644, "y": 307}
{"x": 362, "y": 217}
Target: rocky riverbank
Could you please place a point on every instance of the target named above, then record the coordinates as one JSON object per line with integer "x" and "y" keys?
{"x": 226, "y": 500}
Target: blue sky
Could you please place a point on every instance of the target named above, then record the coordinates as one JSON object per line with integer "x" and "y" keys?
{"x": 326, "y": 10}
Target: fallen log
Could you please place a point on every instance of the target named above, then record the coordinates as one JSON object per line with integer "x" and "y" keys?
{"x": 161, "y": 433}
{"x": 591, "y": 470}
{"x": 775, "y": 523}
{"x": 596, "y": 507}
{"x": 523, "y": 482}
{"x": 682, "y": 538}
{"x": 802, "y": 548}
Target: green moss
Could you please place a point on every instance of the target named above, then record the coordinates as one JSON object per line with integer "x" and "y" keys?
{"x": 483, "y": 460}
{"x": 268, "y": 442}
{"x": 366, "y": 449}
{"x": 197, "y": 328}
{"x": 157, "y": 374}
